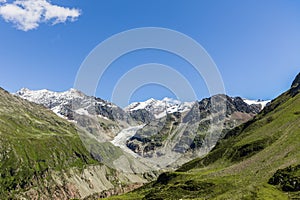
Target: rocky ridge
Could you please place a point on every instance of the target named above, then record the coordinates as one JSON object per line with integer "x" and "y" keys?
{"x": 163, "y": 128}
{"x": 192, "y": 133}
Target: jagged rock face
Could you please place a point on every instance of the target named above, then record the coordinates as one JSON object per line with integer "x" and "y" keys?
{"x": 235, "y": 104}
{"x": 151, "y": 136}
{"x": 241, "y": 106}
{"x": 142, "y": 115}
{"x": 196, "y": 130}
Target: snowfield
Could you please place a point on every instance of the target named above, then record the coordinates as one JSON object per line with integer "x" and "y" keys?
{"x": 262, "y": 103}
{"x": 123, "y": 136}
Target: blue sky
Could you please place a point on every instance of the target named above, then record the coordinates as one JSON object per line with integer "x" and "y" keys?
{"x": 255, "y": 44}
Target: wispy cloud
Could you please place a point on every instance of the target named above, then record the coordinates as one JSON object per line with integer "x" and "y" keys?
{"x": 28, "y": 14}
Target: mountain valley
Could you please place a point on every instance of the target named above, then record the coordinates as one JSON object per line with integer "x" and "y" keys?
{"x": 257, "y": 160}
{"x": 167, "y": 132}
{"x": 63, "y": 145}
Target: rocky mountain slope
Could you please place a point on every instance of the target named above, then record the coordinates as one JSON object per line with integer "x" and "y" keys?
{"x": 257, "y": 160}
{"x": 43, "y": 157}
{"x": 93, "y": 114}
{"x": 90, "y": 149}
{"x": 101, "y": 121}
{"x": 152, "y": 135}
{"x": 178, "y": 137}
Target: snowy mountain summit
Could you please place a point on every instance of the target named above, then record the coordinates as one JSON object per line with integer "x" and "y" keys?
{"x": 150, "y": 130}
{"x": 159, "y": 108}
{"x": 262, "y": 103}
{"x": 72, "y": 102}
{"x": 62, "y": 103}
{"x": 49, "y": 98}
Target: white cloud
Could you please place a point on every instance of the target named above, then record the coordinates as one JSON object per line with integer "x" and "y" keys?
{"x": 28, "y": 14}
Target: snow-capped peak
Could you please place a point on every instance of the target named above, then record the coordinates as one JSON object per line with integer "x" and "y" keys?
{"x": 140, "y": 105}
{"x": 159, "y": 108}
{"x": 56, "y": 101}
{"x": 72, "y": 100}
{"x": 263, "y": 103}
{"x": 44, "y": 96}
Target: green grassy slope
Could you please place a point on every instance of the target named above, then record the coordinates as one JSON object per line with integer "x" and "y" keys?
{"x": 241, "y": 165}
{"x": 33, "y": 142}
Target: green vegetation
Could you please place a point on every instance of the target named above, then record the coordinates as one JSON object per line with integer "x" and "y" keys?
{"x": 33, "y": 143}
{"x": 243, "y": 164}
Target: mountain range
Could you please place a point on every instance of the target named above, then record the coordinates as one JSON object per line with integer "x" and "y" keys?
{"x": 62, "y": 145}
{"x": 43, "y": 157}
{"x": 259, "y": 159}
{"x": 148, "y": 131}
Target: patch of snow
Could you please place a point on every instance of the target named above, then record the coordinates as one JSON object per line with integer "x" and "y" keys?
{"x": 123, "y": 136}
{"x": 263, "y": 103}
{"x": 56, "y": 110}
{"x": 160, "y": 115}
{"x": 103, "y": 117}
{"x": 141, "y": 105}
{"x": 82, "y": 111}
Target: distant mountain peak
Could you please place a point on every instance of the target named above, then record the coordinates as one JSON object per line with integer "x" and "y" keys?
{"x": 34, "y": 95}
{"x": 159, "y": 108}
{"x": 74, "y": 105}
{"x": 260, "y": 102}
{"x": 23, "y": 91}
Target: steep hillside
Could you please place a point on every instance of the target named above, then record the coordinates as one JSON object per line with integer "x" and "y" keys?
{"x": 42, "y": 156}
{"x": 257, "y": 160}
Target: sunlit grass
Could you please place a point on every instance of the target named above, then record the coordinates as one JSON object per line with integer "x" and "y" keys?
{"x": 241, "y": 165}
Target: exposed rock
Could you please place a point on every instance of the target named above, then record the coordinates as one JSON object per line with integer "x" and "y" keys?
{"x": 173, "y": 129}
{"x": 287, "y": 179}
{"x": 296, "y": 81}
{"x": 94, "y": 181}
{"x": 114, "y": 191}
{"x": 142, "y": 115}
{"x": 196, "y": 130}
{"x": 295, "y": 87}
